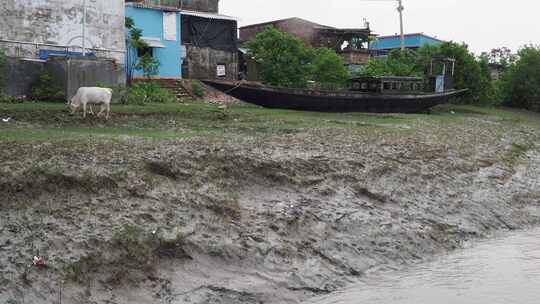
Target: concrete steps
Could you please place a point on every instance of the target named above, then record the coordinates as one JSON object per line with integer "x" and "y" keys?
{"x": 182, "y": 88}
{"x": 176, "y": 86}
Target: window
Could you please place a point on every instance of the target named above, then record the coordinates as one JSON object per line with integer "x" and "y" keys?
{"x": 387, "y": 86}
{"x": 169, "y": 26}
{"x": 146, "y": 50}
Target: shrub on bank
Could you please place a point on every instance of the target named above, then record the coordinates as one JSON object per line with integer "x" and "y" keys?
{"x": 197, "y": 89}
{"x": 148, "y": 91}
{"x": 470, "y": 72}
{"x": 45, "y": 89}
{"x": 520, "y": 85}
{"x": 284, "y": 60}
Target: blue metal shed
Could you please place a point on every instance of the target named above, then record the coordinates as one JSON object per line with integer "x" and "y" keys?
{"x": 162, "y": 32}
{"x": 412, "y": 41}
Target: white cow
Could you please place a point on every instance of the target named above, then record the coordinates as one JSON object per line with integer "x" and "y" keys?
{"x": 92, "y": 96}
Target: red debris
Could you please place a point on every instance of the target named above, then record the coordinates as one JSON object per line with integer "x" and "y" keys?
{"x": 39, "y": 261}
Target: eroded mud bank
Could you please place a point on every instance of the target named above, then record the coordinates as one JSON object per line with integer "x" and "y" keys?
{"x": 272, "y": 219}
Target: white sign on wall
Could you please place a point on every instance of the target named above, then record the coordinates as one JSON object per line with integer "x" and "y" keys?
{"x": 169, "y": 26}
{"x": 221, "y": 70}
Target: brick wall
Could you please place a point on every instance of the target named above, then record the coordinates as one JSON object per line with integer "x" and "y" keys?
{"x": 302, "y": 29}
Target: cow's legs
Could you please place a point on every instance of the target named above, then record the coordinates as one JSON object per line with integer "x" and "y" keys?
{"x": 101, "y": 110}
{"x": 91, "y": 112}
{"x": 108, "y": 105}
{"x": 84, "y": 110}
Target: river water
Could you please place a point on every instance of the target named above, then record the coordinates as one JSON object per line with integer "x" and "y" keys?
{"x": 504, "y": 270}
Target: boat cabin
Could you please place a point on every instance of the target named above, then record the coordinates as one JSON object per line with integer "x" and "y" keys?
{"x": 441, "y": 74}
{"x": 387, "y": 84}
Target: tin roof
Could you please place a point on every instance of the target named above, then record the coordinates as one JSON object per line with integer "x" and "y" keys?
{"x": 408, "y": 35}
{"x": 183, "y": 12}
{"x": 208, "y": 15}
{"x": 153, "y": 42}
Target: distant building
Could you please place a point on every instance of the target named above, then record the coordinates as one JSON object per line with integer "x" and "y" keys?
{"x": 208, "y": 40}
{"x": 161, "y": 30}
{"x": 301, "y": 28}
{"x": 211, "y": 44}
{"x": 352, "y": 44}
{"x": 412, "y": 41}
{"x": 47, "y": 36}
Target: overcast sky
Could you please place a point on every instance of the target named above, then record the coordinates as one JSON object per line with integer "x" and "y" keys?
{"x": 482, "y": 24}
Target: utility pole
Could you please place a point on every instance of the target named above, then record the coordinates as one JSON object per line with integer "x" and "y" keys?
{"x": 400, "y": 10}
{"x": 84, "y": 29}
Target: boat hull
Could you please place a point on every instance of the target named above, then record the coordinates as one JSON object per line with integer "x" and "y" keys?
{"x": 318, "y": 101}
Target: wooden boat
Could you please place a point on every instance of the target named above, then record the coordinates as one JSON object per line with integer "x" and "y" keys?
{"x": 387, "y": 94}
{"x": 382, "y": 101}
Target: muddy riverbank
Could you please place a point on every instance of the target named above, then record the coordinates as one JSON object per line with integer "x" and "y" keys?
{"x": 278, "y": 216}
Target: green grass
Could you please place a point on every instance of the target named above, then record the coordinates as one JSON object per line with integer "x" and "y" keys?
{"x": 51, "y": 121}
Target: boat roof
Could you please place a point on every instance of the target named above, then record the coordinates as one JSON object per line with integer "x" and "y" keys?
{"x": 389, "y": 78}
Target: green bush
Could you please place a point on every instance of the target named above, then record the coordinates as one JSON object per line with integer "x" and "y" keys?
{"x": 45, "y": 89}
{"x": 281, "y": 57}
{"x": 197, "y": 89}
{"x": 149, "y": 91}
{"x": 328, "y": 69}
{"x": 285, "y": 61}
{"x": 397, "y": 63}
{"x": 148, "y": 65}
{"x": 520, "y": 85}
{"x": 470, "y": 72}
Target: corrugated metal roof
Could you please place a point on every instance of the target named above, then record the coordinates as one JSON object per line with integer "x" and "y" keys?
{"x": 153, "y": 42}
{"x": 208, "y": 15}
{"x": 183, "y": 12}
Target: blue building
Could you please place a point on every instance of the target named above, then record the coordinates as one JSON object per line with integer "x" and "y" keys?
{"x": 162, "y": 32}
{"x": 412, "y": 41}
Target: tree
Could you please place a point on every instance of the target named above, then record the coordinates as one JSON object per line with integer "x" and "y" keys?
{"x": 521, "y": 83}
{"x": 397, "y": 63}
{"x": 470, "y": 72}
{"x": 376, "y": 66}
{"x": 502, "y": 57}
{"x": 328, "y": 69}
{"x": 282, "y": 58}
{"x": 285, "y": 61}
{"x": 148, "y": 65}
{"x": 134, "y": 43}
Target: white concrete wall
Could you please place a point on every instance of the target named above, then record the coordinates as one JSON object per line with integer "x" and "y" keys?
{"x": 59, "y": 22}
